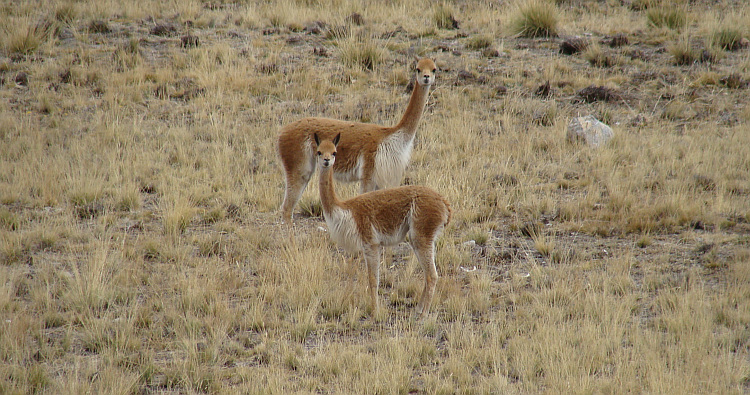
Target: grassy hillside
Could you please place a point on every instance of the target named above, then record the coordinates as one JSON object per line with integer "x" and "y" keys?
{"x": 140, "y": 244}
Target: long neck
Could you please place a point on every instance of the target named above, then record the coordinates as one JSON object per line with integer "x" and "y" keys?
{"x": 328, "y": 197}
{"x": 414, "y": 110}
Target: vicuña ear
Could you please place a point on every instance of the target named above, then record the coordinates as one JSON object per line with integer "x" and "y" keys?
{"x": 336, "y": 140}
{"x": 317, "y": 140}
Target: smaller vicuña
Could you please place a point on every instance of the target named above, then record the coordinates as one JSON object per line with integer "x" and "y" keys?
{"x": 372, "y": 220}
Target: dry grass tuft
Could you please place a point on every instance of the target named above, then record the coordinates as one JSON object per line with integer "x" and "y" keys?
{"x": 672, "y": 17}
{"x": 480, "y": 42}
{"x": 683, "y": 52}
{"x": 361, "y": 51}
{"x": 444, "y": 18}
{"x": 24, "y": 36}
{"x": 535, "y": 18}
{"x": 727, "y": 36}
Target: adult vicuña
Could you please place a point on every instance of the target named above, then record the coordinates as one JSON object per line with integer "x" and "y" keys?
{"x": 373, "y": 154}
{"x": 381, "y": 218}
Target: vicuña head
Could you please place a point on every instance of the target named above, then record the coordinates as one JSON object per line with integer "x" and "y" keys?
{"x": 372, "y": 220}
{"x": 372, "y": 154}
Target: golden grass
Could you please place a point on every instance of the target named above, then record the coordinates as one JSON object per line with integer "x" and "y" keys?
{"x": 140, "y": 247}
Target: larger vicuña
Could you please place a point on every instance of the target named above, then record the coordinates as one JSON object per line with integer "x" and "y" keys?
{"x": 372, "y": 220}
{"x": 372, "y": 154}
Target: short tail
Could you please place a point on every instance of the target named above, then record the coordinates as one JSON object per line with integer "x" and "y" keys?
{"x": 450, "y": 212}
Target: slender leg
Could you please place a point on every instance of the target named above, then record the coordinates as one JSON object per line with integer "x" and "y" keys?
{"x": 372, "y": 259}
{"x": 351, "y": 273}
{"x": 425, "y": 252}
{"x": 295, "y": 185}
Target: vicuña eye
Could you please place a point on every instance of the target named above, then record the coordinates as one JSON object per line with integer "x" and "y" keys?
{"x": 320, "y": 153}
{"x": 334, "y": 154}
{"x": 434, "y": 70}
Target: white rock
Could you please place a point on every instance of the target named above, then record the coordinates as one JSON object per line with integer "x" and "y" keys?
{"x": 589, "y": 130}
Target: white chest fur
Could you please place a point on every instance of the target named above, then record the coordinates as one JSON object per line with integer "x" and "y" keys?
{"x": 391, "y": 159}
{"x": 343, "y": 229}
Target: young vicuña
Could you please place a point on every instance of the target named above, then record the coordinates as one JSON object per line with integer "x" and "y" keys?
{"x": 381, "y": 218}
{"x": 373, "y": 154}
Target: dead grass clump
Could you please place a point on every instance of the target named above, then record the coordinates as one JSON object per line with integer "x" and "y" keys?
{"x": 685, "y": 52}
{"x": 311, "y": 208}
{"x": 99, "y": 26}
{"x": 644, "y": 241}
{"x": 177, "y": 216}
{"x": 338, "y": 32}
{"x": 591, "y": 94}
{"x": 25, "y": 36}
{"x": 727, "y": 37}
{"x": 734, "y": 81}
{"x": 480, "y": 41}
{"x": 9, "y": 220}
{"x": 678, "y": 110}
{"x": 598, "y": 57}
{"x": 535, "y": 18}
{"x": 443, "y": 17}
{"x": 66, "y": 13}
{"x": 640, "y": 5}
{"x": 360, "y": 51}
{"x": 128, "y": 55}
{"x": 573, "y": 45}
{"x": 215, "y": 245}
{"x": 672, "y": 17}
{"x": 128, "y": 200}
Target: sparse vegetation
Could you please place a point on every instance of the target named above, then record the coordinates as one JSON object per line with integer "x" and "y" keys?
{"x": 140, "y": 244}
